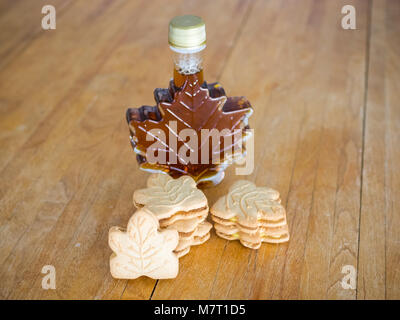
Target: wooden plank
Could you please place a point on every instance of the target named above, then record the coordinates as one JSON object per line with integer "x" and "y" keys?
{"x": 371, "y": 269}
{"x": 393, "y": 117}
{"x": 379, "y": 258}
{"x": 332, "y": 235}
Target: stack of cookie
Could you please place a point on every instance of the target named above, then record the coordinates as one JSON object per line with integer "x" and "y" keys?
{"x": 250, "y": 214}
{"x": 178, "y": 205}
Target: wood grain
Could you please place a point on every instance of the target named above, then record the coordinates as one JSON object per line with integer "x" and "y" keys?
{"x": 379, "y": 258}
{"x": 326, "y": 122}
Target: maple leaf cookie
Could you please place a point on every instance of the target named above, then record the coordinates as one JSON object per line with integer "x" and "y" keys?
{"x": 142, "y": 250}
{"x": 250, "y": 214}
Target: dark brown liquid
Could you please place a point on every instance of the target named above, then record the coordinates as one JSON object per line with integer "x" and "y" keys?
{"x": 179, "y": 78}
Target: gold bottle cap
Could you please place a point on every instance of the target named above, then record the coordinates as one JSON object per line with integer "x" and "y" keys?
{"x": 187, "y": 33}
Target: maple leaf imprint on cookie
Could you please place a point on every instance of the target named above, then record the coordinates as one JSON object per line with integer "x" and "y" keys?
{"x": 142, "y": 250}
{"x": 165, "y": 195}
{"x": 248, "y": 201}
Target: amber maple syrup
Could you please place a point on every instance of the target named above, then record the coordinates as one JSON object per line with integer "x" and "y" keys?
{"x": 180, "y": 77}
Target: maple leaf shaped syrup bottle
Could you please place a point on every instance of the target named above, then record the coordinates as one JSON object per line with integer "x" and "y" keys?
{"x": 194, "y": 129}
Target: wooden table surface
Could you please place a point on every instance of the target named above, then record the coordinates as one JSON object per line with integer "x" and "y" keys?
{"x": 327, "y": 136}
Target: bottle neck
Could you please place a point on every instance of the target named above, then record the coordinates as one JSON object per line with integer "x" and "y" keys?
{"x": 187, "y": 64}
